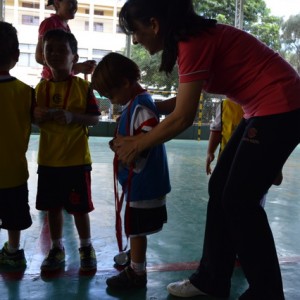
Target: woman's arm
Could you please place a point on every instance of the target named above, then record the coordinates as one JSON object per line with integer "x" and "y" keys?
{"x": 181, "y": 118}
{"x": 39, "y": 52}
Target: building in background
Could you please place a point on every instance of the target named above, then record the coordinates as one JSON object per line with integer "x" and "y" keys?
{"x": 95, "y": 27}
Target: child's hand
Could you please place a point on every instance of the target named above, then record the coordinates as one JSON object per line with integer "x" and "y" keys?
{"x": 41, "y": 114}
{"x": 111, "y": 145}
{"x": 210, "y": 157}
{"x": 62, "y": 117}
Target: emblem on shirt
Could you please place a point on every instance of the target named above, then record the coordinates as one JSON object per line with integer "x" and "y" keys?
{"x": 57, "y": 98}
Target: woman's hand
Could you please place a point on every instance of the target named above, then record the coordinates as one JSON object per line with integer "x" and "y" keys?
{"x": 127, "y": 148}
{"x": 86, "y": 67}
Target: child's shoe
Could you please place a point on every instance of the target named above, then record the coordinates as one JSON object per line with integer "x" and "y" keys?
{"x": 15, "y": 260}
{"x": 88, "y": 261}
{"x": 55, "y": 260}
{"x": 127, "y": 279}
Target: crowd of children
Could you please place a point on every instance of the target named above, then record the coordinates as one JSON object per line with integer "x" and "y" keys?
{"x": 63, "y": 105}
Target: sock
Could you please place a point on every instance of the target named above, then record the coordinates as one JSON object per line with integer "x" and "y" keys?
{"x": 57, "y": 244}
{"x": 11, "y": 249}
{"x": 138, "y": 268}
{"x": 85, "y": 242}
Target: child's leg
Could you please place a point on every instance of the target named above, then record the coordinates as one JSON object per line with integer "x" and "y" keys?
{"x": 55, "y": 221}
{"x": 88, "y": 261}
{"x": 13, "y": 240}
{"x": 56, "y": 256}
{"x": 138, "y": 246}
{"x": 10, "y": 254}
{"x": 133, "y": 276}
{"x": 82, "y": 222}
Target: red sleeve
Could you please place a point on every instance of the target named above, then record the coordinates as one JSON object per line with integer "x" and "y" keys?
{"x": 92, "y": 105}
{"x": 195, "y": 58}
{"x": 46, "y": 25}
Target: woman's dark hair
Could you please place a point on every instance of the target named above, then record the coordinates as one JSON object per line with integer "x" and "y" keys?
{"x": 177, "y": 18}
{"x": 61, "y": 35}
{"x": 111, "y": 72}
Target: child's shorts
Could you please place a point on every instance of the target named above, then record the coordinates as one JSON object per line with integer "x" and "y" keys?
{"x": 14, "y": 208}
{"x": 144, "y": 221}
{"x": 64, "y": 187}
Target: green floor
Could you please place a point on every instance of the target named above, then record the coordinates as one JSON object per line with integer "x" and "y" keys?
{"x": 172, "y": 254}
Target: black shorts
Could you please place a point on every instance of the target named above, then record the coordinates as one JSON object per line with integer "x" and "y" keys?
{"x": 14, "y": 208}
{"x": 64, "y": 187}
{"x": 144, "y": 221}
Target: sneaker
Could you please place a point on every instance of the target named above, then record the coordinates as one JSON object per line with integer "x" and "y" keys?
{"x": 184, "y": 289}
{"x": 127, "y": 279}
{"x": 16, "y": 259}
{"x": 88, "y": 261}
{"x": 54, "y": 260}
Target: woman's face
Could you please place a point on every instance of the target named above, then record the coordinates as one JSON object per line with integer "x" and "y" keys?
{"x": 148, "y": 36}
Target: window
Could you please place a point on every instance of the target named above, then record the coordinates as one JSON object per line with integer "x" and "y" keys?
{"x": 30, "y": 5}
{"x": 27, "y": 55}
{"x": 98, "y": 12}
{"x": 30, "y": 20}
{"x": 86, "y": 25}
{"x": 27, "y": 47}
{"x": 83, "y": 52}
{"x": 27, "y": 60}
{"x": 119, "y": 30}
{"x": 100, "y": 52}
{"x": 98, "y": 27}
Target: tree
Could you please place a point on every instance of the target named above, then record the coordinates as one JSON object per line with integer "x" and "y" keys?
{"x": 291, "y": 40}
{"x": 257, "y": 19}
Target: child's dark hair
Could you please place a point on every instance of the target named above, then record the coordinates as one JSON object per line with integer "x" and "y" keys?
{"x": 61, "y": 35}
{"x": 9, "y": 42}
{"x": 111, "y": 72}
{"x": 177, "y": 20}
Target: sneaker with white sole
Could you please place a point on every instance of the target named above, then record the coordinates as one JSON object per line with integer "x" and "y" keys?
{"x": 184, "y": 289}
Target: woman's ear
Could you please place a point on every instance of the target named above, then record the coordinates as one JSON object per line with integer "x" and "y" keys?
{"x": 155, "y": 25}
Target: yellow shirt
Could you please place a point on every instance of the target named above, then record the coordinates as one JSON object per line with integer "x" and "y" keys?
{"x": 63, "y": 145}
{"x": 16, "y": 100}
{"x": 231, "y": 115}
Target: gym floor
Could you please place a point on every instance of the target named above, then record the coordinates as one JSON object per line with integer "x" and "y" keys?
{"x": 173, "y": 253}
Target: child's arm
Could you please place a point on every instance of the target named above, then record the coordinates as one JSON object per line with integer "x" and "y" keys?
{"x": 41, "y": 114}
{"x": 215, "y": 138}
{"x": 66, "y": 117}
{"x": 213, "y": 143}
